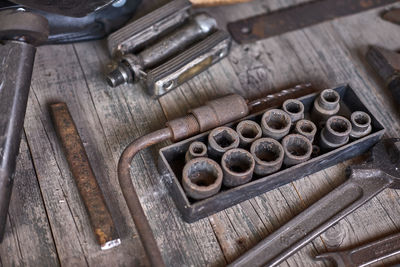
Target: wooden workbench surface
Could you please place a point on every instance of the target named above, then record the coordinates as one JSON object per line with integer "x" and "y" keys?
{"x": 47, "y": 223}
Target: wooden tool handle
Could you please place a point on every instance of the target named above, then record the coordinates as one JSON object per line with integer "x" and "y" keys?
{"x": 216, "y": 2}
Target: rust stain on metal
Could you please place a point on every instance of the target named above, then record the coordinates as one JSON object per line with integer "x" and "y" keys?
{"x": 89, "y": 190}
{"x": 297, "y": 17}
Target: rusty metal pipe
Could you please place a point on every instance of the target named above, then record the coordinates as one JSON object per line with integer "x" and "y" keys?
{"x": 132, "y": 199}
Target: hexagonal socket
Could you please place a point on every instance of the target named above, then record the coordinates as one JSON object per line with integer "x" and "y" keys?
{"x": 306, "y": 128}
{"x": 196, "y": 150}
{"x": 268, "y": 155}
{"x": 297, "y": 149}
{"x": 237, "y": 166}
{"x": 325, "y": 106}
{"x": 294, "y": 108}
{"x": 275, "y": 123}
{"x": 360, "y": 124}
{"x": 201, "y": 178}
{"x": 248, "y": 132}
{"x": 335, "y": 133}
{"x": 222, "y": 139}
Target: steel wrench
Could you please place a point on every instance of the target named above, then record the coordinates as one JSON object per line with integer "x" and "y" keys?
{"x": 365, "y": 254}
{"x": 365, "y": 181}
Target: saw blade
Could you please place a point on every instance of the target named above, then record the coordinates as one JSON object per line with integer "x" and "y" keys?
{"x": 297, "y": 17}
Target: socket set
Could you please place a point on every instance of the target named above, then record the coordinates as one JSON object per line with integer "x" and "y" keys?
{"x": 227, "y": 165}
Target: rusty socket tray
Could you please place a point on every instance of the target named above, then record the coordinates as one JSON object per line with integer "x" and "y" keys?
{"x": 172, "y": 159}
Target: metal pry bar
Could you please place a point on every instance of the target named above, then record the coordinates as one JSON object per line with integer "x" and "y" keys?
{"x": 89, "y": 190}
{"x": 20, "y": 33}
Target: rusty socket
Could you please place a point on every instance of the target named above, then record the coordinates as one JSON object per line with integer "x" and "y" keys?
{"x": 335, "y": 133}
{"x": 268, "y": 155}
{"x": 222, "y": 139}
{"x": 196, "y": 150}
{"x": 294, "y": 108}
{"x": 237, "y": 166}
{"x": 306, "y": 128}
{"x": 201, "y": 178}
{"x": 325, "y": 106}
{"x": 297, "y": 149}
{"x": 275, "y": 123}
{"x": 360, "y": 124}
{"x": 248, "y": 132}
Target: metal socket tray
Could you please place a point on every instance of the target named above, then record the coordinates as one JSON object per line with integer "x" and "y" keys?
{"x": 172, "y": 160}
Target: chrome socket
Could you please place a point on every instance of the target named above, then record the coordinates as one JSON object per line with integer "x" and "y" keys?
{"x": 335, "y": 133}
{"x": 360, "y": 124}
{"x": 297, "y": 149}
{"x": 268, "y": 155}
{"x": 294, "y": 108}
{"x": 248, "y": 132}
{"x": 237, "y": 167}
{"x": 306, "y": 128}
{"x": 201, "y": 178}
{"x": 222, "y": 139}
{"x": 196, "y": 150}
{"x": 325, "y": 106}
{"x": 275, "y": 123}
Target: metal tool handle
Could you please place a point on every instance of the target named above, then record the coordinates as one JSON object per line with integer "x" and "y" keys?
{"x": 316, "y": 219}
{"x": 16, "y": 64}
{"x": 366, "y": 254}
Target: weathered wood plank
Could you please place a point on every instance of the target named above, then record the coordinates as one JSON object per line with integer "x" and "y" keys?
{"x": 59, "y": 78}
{"x": 28, "y": 240}
{"x": 108, "y": 119}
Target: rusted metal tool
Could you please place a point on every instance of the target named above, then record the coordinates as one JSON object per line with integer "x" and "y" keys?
{"x": 297, "y": 17}
{"x": 213, "y": 114}
{"x": 99, "y": 215}
{"x": 387, "y": 64}
{"x": 201, "y": 178}
{"x": 276, "y": 123}
{"x": 20, "y": 33}
{"x": 237, "y": 166}
{"x": 365, "y": 254}
{"x": 365, "y": 181}
{"x": 268, "y": 156}
{"x": 336, "y": 132}
{"x": 297, "y": 149}
{"x": 166, "y": 48}
{"x": 392, "y": 15}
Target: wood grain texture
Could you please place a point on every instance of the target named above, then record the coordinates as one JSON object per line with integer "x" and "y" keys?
{"x": 28, "y": 240}
{"x": 48, "y": 225}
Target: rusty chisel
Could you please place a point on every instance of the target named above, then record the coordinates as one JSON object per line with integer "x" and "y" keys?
{"x": 99, "y": 214}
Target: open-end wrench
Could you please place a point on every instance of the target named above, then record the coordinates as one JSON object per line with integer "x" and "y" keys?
{"x": 365, "y": 254}
{"x": 365, "y": 181}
